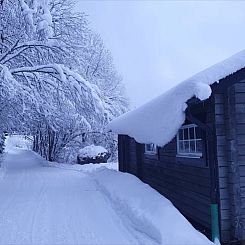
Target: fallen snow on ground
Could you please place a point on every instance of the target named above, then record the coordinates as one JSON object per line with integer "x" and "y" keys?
{"x": 17, "y": 141}
{"x": 143, "y": 208}
{"x": 158, "y": 121}
{"x": 48, "y": 203}
{"x": 91, "y": 167}
{"x": 146, "y": 210}
{"x": 44, "y": 205}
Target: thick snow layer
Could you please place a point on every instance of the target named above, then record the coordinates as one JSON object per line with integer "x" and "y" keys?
{"x": 74, "y": 205}
{"x": 158, "y": 121}
{"x": 92, "y": 151}
{"x": 148, "y": 211}
{"x": 44, "y": 205}
{"x": 141, "y": 207}
{"x": 89, "y": 168}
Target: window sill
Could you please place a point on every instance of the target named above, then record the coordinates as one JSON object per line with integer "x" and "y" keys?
{"x": 189, "y": 156}
{"x": 151, "y": 155}
{"x": 191, "y": 161}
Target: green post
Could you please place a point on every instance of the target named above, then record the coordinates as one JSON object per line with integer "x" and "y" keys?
{"x": 215, "y": 223}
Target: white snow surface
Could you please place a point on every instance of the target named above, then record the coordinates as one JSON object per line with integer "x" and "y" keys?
{"x": 92, "y": 151}
{"x": 146, "y": 210}
{"x": 50, "y": 205}
{"x": 158, "y": 121}
{"x": 18, "y": 141}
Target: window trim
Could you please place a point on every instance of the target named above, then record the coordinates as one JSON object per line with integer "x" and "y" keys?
{"x": 197, "y": 155}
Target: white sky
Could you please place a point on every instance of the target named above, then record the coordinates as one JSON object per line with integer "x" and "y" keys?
{"x": 156, "y": 44}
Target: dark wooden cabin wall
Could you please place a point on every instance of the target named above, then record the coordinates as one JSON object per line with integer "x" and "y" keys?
{"x": 121, "y": 153}
{"x": 230, "y": 133}
{"x": 132, "y": 160}
{"x": 238, "y": 161}
{"x": 188, "y": 187}
{"x": 223, "y": 142}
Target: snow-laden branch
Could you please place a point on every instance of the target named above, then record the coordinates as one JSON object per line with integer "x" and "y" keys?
{"x": 69, "y": 79}
{"x": 17, "y": 50}
{"x": 9, "y": 51}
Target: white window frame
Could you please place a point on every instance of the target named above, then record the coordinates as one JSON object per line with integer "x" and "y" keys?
{"x": 189, "y": 154}
{"x": 151, "y": 152}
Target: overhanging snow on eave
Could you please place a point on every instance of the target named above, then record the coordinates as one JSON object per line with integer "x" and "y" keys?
{"x": 158, "y": 121}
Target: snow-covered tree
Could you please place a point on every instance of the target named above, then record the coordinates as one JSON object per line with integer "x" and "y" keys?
{"x": 46, "y": 51}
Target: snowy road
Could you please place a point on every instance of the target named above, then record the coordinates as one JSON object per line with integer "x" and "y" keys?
{"x": 44, "y": 205}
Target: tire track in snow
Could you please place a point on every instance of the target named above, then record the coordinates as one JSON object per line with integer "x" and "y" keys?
{"x": 11, "y": 200}
{"x": 37, "y": 209}
{"x": 10, "y": 204}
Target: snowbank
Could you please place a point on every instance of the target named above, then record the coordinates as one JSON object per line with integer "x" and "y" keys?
{"x": 149, "y": 212}
{"x": 89, "y": 168}
{"x": 159, "y": 120}
{"x": 92, "y": 151}
{"x": 2, "y": 167}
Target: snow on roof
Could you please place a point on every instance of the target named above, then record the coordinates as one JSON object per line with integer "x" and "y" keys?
{"x": 158, "y": 121}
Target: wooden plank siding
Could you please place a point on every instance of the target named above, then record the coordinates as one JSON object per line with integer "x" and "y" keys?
{"x": 230, "y": 136}
{"x": 188, "y": 187}
{"x": 132, "y": 158}
{"x": 222, "y": 127}
{"x": 237, "y": 169}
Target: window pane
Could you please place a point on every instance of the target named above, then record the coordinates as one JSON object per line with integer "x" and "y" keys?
{"x": 199, "y": 146}
{"x": 181, "y": 134}
{"x": 186, "y": 134}
{"x": 190, "y": 141}
{"x": 192, "y": 146}
{"x": 191, "y": 132}
{"x": 186, "y": 146}
{"x": 181, "y": 147}
{"x": 150, "y": 147}
{"x": 198, "y": 133}
{"x": 153, "y": 147}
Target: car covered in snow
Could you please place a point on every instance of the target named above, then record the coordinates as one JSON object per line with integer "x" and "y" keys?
{"x": 93, "y": 154}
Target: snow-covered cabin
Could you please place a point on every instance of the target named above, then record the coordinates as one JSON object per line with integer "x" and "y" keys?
{"x": 189, "y": 144}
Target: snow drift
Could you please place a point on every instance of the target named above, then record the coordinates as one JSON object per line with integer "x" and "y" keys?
{"x": 134, "y": 212}
{"x": 158, "y": 121}
{"x": 149, "y": 212}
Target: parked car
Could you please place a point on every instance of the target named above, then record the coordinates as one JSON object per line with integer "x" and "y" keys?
{"x": 93, "y": 154}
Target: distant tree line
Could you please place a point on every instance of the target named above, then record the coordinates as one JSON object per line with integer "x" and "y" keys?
{"x": 57, "y": 80}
